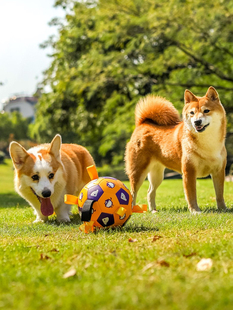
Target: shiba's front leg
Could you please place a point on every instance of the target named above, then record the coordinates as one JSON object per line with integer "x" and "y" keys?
{"x": 189, "y": 182}
{"x": 155, "y": 177}
{"x": 218, "y": 180}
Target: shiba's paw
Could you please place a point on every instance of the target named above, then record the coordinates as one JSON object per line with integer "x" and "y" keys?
{"x": 194, "y": 212}
{"x": 222, "y": 207}
{"x": 154, "y": 211}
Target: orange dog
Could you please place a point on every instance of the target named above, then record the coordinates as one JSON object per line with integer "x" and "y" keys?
{"x": 45, "y": 173}
{"x": 194, "y": 146}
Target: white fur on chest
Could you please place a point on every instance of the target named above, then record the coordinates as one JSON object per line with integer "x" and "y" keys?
{"x": 206, "y": 150}
{"x": 207, "y": 166}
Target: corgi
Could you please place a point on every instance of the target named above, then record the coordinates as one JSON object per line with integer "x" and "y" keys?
{"x": 45, "y": 173}
{"x": 193, "y": 146}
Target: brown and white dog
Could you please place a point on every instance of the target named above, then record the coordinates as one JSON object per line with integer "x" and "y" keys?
{"x": 45, "y": 173}
{"x": 194, "y": 146}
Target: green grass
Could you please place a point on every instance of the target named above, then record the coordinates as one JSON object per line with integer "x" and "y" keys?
{"x": 157, "y": 271}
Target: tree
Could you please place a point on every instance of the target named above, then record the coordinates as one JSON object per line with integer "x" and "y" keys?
{"x": 15, "y": 124}
{"x": 111, "y": 52}
{"x": 12, "y": 126}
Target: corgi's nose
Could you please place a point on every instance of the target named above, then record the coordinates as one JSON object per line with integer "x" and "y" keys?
{"x": 198, "y": 122}
{"x": 46, "y": 193}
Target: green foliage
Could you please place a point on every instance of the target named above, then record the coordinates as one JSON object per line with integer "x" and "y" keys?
{"x": 111, "y": 52}
{"x": 14, "y": 125}
{"x": 2, "y": 157}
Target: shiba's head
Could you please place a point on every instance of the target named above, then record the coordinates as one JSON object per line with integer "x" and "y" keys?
{"x": 199, "y": 113}
{"x": 38, "y": 170}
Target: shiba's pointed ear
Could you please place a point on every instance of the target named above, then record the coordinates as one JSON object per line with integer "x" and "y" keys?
{"x": 212, "y": 94}
{"x": 55, "y": 146}
{"x": 189, "y": 96}
{"x": 18, "y": 154}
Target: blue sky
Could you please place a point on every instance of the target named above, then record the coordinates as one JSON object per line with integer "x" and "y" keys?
{"x": 23, "y": 27}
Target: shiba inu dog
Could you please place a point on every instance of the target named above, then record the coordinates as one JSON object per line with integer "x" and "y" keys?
{"x": 194, "y": 146}
{"x": 45, "y": 173}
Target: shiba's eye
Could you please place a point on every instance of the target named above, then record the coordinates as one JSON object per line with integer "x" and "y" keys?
{"x": 206, "y": 111}
{"x": 35, "y": 177}
{"x": 51, "y": 176}
{"x": 192, "y": 112}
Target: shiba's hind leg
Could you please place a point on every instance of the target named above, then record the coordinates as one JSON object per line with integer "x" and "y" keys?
{"x": 155, "y": 177}
{"x": 137, "y": 166}
{"x": 136, "y": 181}
{"x": 218, "y": 180}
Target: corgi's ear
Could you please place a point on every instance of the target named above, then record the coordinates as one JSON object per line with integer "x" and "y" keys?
{"x": 189, "y": 96}
{"x": 55, "y": 146}
{"x": 18, "y": 154}
{"x": 212, "y": 93}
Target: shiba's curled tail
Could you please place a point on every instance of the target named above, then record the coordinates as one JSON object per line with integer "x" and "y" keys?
{"x": 157, "y": 110}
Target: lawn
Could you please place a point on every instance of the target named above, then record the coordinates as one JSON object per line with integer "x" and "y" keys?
{"x": 155, "y": 271}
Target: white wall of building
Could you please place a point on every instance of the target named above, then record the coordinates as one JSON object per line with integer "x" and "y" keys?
{"x": 25, "y": 108}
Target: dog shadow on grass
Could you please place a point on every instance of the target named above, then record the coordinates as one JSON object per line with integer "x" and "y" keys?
{"x": 204, "y": 210}
{"x": 12, "y": 200}
{"x": 138, "y": 226}
{"x": 74, "y": 220}
{"x": 215, "y": 210}
{"x": 129, "y": 227}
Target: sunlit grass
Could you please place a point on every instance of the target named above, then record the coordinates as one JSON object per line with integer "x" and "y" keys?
{"x": 156, "y": 271}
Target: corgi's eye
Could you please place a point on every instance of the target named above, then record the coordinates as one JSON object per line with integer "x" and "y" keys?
{"x": 51, "y": 176}
{"x": 192, "y": 113}
{"x": 35, "y": 177}
{"x": 206, "y": 111}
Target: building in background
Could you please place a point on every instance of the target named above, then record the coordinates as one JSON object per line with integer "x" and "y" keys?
{"x": 24, "y": 105}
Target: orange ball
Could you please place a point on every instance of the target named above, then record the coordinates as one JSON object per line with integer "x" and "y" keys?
{"x": 105, "y": 201}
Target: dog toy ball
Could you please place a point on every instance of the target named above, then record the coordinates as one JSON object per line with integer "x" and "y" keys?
{"x": 104, "y": 202}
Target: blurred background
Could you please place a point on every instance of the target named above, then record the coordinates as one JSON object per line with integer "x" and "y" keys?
{"x": 79, "y": 67}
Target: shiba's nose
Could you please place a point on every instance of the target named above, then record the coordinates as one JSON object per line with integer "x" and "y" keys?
{"x": 198, "y": 122}
{"x": 46, "y": 193}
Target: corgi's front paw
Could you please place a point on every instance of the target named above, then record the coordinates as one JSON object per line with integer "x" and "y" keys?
{"x": 39, "y": 220}
{"x": 63, "y": 213}
{"x": 63, "y": 219}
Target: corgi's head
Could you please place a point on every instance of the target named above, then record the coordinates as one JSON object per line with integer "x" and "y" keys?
{"x": 38, "y": 170}
{"x": 199, "y": 113}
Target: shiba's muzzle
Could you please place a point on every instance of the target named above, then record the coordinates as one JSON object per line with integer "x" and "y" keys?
{"x": 198, "y": 125}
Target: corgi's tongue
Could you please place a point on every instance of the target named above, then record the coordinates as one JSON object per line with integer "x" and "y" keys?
{"x": 46, "y": 206}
